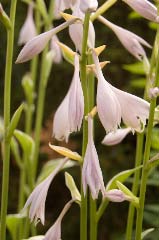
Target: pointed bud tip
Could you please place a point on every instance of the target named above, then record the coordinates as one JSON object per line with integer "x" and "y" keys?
{"x": 99, "y": 49}
{"x": 67, "y": 16}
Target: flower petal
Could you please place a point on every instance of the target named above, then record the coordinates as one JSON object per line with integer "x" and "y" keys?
{"x": 116, "y": 137}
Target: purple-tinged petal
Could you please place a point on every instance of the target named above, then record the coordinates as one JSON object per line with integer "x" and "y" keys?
{"x": 91, "y": 171}
{"x": 116, "y": 195}
{"x": 116, "y": 137}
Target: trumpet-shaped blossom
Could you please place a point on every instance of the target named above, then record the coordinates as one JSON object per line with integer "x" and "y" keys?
{"x": 54, "y": 233}
{"x": 61, "y": 6}
{"x": 56, "y": 50}
{"x": 130, "y": 41}
{"x": 116, "y": 137}
{"x": 76, "y": 31}
{"x": 28, "y": 30}
{"x": 37, "y": 198}
{"x": 114, "y": 104}
{"x": 91, "y": 172}
{"x": 38, "y": 43}
{"x": 145, "y": 8}
{"x": 69, "y": 115}
{"x": 88, "y": 5}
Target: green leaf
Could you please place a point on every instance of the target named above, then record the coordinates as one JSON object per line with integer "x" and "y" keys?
{"x": 146, "y": 232}
{"x": 13, "y": 222}
{"x": 70, "y": 183}
{"x": 14, "y": 121}
{"x": 138, "y": 83}
{"x": 135, "y": 68}
{"x": 122, "y": 177}
{"x": 51, "y": 165}
{"x": 26, "y": 142}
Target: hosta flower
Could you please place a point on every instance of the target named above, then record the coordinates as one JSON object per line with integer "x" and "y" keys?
{"x": 130, "y": 41}
{"x": 28, "y": 30}
{"x": 116, "y": 195}
{"x": 54, "y": 233}
{"x": 60, "y": 6}
{"x": 91, "y": 171}
{"x": 116, "y": 137}
{"x": 114, "y": 104}
{"x": 37, "y": 198}
{"x": 145, "y": 8}
{"x": 76, "y": 31}
{"x": 56, "y": 50}
{"x": 69, "y": 115}
{"x": 88, "y": 5}
{"x": 38, "y": 43}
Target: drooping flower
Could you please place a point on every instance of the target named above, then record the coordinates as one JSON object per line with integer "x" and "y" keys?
{"x": 38, "y": 43}
{"x": 130, "y": 41}
{"x": 62, "y": 5}
{"x": 76, "y": 31}
{"x": 28, "y": 30}
{"x": 54, "y": 233}
{"x": 88, "y": 5}
{"x": 116, "y": 195}
{"x": 91, "y": 171}
{"x": 114, "y": 104}
{"x": 69, "y": 115}
{"x": 37, "y": 198}
{"x": 116, "y": 137}
{"x": 145, "y": 8}
{"x": 56, "y": 50}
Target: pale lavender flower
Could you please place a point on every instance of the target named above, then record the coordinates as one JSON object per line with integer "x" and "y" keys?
{"x": 56, "y": 50}
{"x": 37, "y": 198}
{"x": 116, "y": 195}
{"x": 54, "y": 233}
{"x": 76, "y": 31}
{"x": 114, "y": 104}
{"x": 145, "y": 8}
{"x": 130, "y": 41}
{"x": 69, "y": 115}
{"x": 38, "y": 43}
{"x": 91, "y": 171}
{"x": 116, "y": 137}
{"x": 28, "y": 30}
{"x": 60, "y": 6}
{"x": 88, "y": 5}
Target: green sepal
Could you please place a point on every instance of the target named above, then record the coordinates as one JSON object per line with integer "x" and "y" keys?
{"x": 132, "y": 198}
{"x": 70, "y": 183}
{"x": 14, "y": 121}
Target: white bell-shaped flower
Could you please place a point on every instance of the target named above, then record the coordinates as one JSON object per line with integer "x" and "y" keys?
{"x": 91, "y": 171}
{"x": 69, "y": 115}
{"x": 145, "y": 8}
{"x": 114, "y": 104}
{"x": 88, "y": 5}
{"x": 130, "y": 41}
{"x": 28, "y": 30}
{"x": 37, "y": 198}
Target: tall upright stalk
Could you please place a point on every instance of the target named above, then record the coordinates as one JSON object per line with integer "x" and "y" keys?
{"x": 7, "y": 101}
{"x": 145, "y": 170}
{"x": 83, "y": 216}
{"x": 41, "y": 95}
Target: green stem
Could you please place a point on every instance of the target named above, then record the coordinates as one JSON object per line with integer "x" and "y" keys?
{"x": 138, "y": 162}
{"x": 83, "y": 63}
{"x": 41, "y": 96}
{"x": 146, "y": 158}
{"x": 91, "y": 93}
{"x": 103, "y": 9}
{"x": 7, "y": 101}
{"x": 101, "y": 209}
